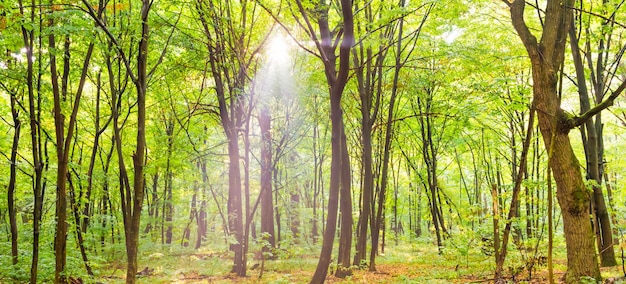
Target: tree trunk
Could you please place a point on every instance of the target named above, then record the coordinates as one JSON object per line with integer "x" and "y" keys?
{"x": 368, "y": 189}
{"x": 369, "y": 68}
{"x": 573, "y": 199}
{"x": 168, "y": 206}
{"x": 514, "y": 209}
{"x": 235, "y": 205}
{"x": 193, "y": 213}
{"x": 267, "y": 204}
{"x": 333, "y": 195}
{"x": 152, "y": 199}
{"x": 295, "y": 216}
{"x": 546, "y": 58}
{"x": 202, "y": 222}
{"x": 34, "y": 110}
{"x": 202, "y": 225}
{"x": 87, "y": 210}
{"x": 340, "y": 171}
{"x": 80, "y": 241}
{"x": 61, "y": 198}
{"x": 345, "y": 239}
{"x": 317, "y": 182}
{"x": 17, "y": 126}
{"x": 591, "y": 136}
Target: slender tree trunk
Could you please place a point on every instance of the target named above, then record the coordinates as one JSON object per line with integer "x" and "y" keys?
{"x": 35, "y": 135}
{"x": 514, "y": 211}
{"x": 202, "y": 222}
{"x": 17, "y": 126}
{"x": 80, "y": 241}
{"x": 267, "y": 204}
{"x": 336, "y": 80}
{"x": 168, "y": 211}
{"x": 496, "y": 223}
{"x": 61, "y": 198}
{"x": 369, "y": 68}
{"x": 193, "y": 213}
{"x": 377, "y": 220}
{"x": 317, "y": 173}
{"x": 295, "y": 216}
{"x": 345, "y": 238}
{"x": 152, "y": 200}
{"x": 202, "y": 226}
{"x": 591, "y": 139}
{"x": 368, "y": 190}
{"x": 87, "y": 210}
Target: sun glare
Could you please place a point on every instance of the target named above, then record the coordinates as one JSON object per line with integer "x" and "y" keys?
{"x": 277, "y": 49}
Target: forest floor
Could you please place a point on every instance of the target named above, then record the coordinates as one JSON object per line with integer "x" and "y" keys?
{"x": 405, "y": 263}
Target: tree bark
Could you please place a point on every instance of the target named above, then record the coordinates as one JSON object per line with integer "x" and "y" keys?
{"x": 168, "y": 212}
{"x": 368, "y": 72}
{"x": 34, "y": 110}
{"x": 267, "y": 204}
{"x": 61, "y": 198}
{"x": 592, "y": 137}
{"x": 546, "y": 58}
{"x": 345, "y": 238}
{"x": 234, "y": 207}
{"x": 336, "y": 79}
{"x": 17, "y": 126}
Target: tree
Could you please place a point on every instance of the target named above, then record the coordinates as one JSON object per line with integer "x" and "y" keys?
{"x": 63, "y": 142}
{"x": 15, "y": 101}
{"x": 38, "y": 149}
{"x": 131, "y": 199}
{"x": 232, "y": 42}
{"x": 547, "y": 57}
{"x": 326, "y": 43}
{"x": 601, "y": 74}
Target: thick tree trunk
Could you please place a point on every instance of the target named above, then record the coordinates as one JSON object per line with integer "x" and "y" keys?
{"x": 573, "y": 199}
{"x": 235, "y": 204}
{"x": 572, "y": 193}
{"x": 547, "y": 57}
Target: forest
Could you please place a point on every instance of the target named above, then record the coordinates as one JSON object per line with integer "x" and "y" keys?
{"x": 294, "y": 141}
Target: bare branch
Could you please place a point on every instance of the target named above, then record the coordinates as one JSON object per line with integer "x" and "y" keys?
{"x": 579, "y": 120}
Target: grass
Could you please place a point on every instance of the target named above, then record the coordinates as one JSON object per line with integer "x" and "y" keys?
{"x": 415, "y": 262}
{"x": 412, "y": 261}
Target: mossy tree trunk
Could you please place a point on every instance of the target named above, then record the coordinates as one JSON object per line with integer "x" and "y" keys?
{"x": 547, "y": 56}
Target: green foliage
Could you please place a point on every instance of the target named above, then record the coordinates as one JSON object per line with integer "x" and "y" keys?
{"x": 467, "y": 74}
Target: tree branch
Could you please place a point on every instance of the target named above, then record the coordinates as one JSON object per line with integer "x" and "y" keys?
{"x": 579, "y": 120}
{"x": 517, "y": 17}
